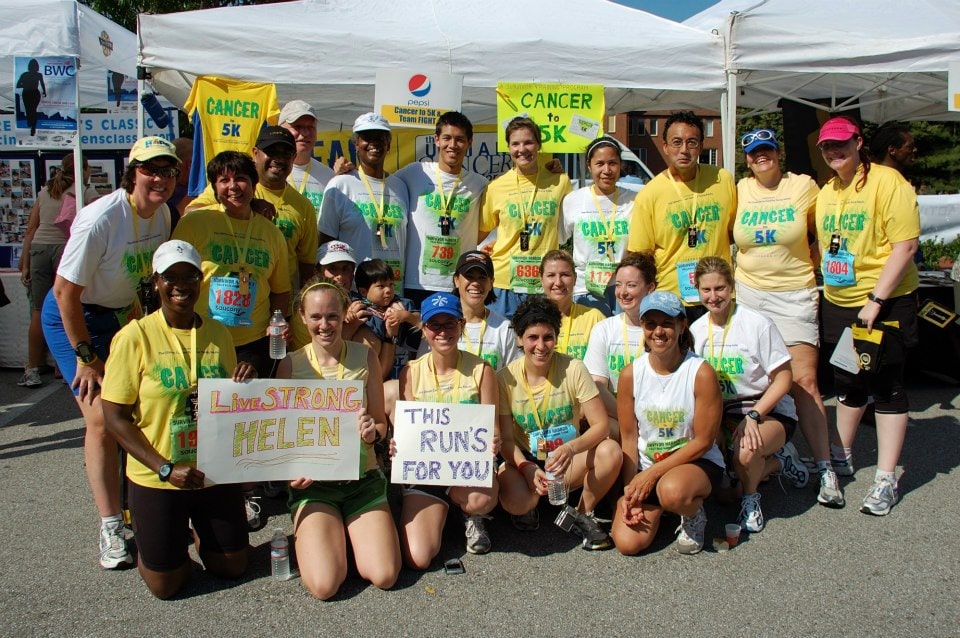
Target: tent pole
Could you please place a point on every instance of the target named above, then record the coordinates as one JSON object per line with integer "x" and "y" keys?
{"x": 729, "y": 123}
{"x": 141, "y": 84}
{"x": 77, "y": 150}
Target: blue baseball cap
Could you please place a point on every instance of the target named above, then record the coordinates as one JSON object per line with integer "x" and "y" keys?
{"x": 440, "y": 303}
{"x": 759, "y": 138}
{"x": 666, "y": 302}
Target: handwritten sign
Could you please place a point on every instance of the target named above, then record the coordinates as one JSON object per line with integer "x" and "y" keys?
{"x": 569, "y": 115}
{"x": 443, "y": 444}
{"x": 278, "y": 430}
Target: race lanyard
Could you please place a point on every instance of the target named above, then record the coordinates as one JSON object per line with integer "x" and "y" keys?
{"x": 174, "y": 342}
{"x": 726, "y": 329}
{"x": 315, "y": 363}
{"x": 533, "y": 402}
{"x": 630, "y": 356}
{"x": 608, "y": 231}
{"x": 381, "y": 221}
{"x": 455, "y": 395}
{"x": 525, "y": 206}
{"x": 694, "y": 226}
{"x": 136, "y": 235}
{"x": 444, "y": 200}
{"x": 565, "y": 335}
{"x": 243, "y": 275}
{"x": 303, "y": 182}
{"x": 466, "y": 336}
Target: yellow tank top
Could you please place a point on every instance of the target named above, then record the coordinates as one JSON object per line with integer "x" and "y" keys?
{"x": 460, "y": 386}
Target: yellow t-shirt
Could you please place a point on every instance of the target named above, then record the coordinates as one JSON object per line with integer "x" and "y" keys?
{"x": 771, "y": 233}
{"x": 296, "y": 218}
{"x": 227, "y": 115}
{"x": 661, "y": 220}
{"x": 575, "y": 330}
{"x": 222, "y": 251}
{"x": 354, "y": 369}
{"x": 460, "y": 386}
{"x": 555, "y": 402}
{"x": 147, "y": 370}
{"x": 868, "y": 222}
{"x": 512, "y": 202}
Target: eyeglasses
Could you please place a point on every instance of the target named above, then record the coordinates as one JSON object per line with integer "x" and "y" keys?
{"x": 691, "y": 142}
{"x": 185, "y": 280}
{"x": 153, "y": 170}
{"x": 436, "y": 327}
{"x": 764, "y": 135}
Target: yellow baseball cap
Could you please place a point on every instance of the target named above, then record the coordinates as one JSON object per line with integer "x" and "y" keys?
{"x": 147, "y": 148}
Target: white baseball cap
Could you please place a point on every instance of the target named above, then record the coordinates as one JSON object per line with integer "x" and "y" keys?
{"x": 175, "y": 251}
{"x": 294, "y": 110}
{"x": 371, "y": 122}
{"x": 334, "y": 251}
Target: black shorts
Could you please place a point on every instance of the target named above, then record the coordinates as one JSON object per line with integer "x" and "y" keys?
{"x": 711, "y": 469}
{"x": 160, "y": 522}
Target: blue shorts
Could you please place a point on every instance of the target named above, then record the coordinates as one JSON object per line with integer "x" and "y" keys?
{"x": 506, "y": 302}
{"x": 102, "y": 324}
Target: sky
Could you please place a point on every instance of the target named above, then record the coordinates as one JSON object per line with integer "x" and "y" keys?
{"x": 678, "y": 10}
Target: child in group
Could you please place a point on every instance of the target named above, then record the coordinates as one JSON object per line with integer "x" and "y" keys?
{"x": 393, "y": 319}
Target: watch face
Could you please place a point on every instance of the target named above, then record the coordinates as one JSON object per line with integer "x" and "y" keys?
{"x": 165, "y": 470}
{"x": 85, "y": 352}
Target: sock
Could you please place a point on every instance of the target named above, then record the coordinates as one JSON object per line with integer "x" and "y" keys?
{"x": 115, "y": 520}
{"x": 840, "y": 453}
{"x": 823, "y": 466}
{"x": 890, "y": 477}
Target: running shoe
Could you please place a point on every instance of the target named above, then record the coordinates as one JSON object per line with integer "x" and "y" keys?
{"x": 594, "y": 538}
{"x": 478, "y": 540}
{"x": 253, "y": 512}
{"x": 751, "y": 516}
{"x": 30, "y": 378}
{"x": 843, "y": 466}
{"x": 883, "y": 496}
{"x": 791, "y": 465}
{"x": 113, "y": 546}
{"x": 830, "y": 493}
{"x": 528, "y": 522}
{"x": 690, "y": 538}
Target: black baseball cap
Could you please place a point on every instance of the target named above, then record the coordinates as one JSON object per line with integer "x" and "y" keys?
{"x": 474, "y": 259}
{"x": 273, "y": 135}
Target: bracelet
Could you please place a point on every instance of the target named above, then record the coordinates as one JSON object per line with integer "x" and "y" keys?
{"x": 83, "y": 363}
{"x": 875, "y": 299}
{"x": 523, "y": 464}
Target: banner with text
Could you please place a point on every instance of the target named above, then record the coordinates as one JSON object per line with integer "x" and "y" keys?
{"x": 570, "y": 115}
{"x": 443, "y": 444}
{"x": 412, "y": 99}
{"x": 279, "y": 430}
{"x": 46, "y": 101}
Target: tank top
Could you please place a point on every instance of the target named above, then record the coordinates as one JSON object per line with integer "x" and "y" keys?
{"x": 460, "y": 386}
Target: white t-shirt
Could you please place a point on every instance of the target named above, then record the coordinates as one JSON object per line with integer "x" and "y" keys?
{"x": 598, "y": 245}
{"x": 606, "y": 353}
{"x": 753, "y": 348}
{"x": 311, "y": 183}
{"x": 349, "y": 214}
{"x": 498, "y": 343}
{"x": 432, "y": 256}
{"x": 108, "y": 253}
{"x": 664, "y": 406}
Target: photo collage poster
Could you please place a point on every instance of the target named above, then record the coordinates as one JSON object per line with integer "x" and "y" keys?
{"x": 18, "y": 191}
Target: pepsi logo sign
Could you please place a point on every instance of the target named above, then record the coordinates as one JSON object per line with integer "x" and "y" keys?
{"x": 419, "y": 85}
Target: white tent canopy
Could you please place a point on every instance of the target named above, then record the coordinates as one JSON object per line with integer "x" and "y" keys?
{"x": 328, "y": 51}
{"x": 888, "y": 58}
{"x": 65, "y": 28}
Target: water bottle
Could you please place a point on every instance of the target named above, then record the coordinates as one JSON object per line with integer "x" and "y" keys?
{"x": 278, "y": 347}
{"x": 279, "y": 555}
{"x": 556, "y": 487}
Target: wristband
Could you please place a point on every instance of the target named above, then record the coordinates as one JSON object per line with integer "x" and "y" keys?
{"x": 875, "y": 299}
{"x": 86, "y": 364}
{"x": 523, "y": 464}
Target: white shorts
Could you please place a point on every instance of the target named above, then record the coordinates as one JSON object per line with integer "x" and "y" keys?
{"x": 793, "y": 311}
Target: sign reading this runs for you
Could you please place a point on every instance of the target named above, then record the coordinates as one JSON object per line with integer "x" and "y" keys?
{"x": 443, "y": 444}
{"x": 278, "y": 430}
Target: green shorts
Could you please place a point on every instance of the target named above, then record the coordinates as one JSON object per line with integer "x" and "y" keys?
{"x": 350, "y": 498}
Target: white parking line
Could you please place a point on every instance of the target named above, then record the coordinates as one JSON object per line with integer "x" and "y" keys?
{"x": 10, "y": 412}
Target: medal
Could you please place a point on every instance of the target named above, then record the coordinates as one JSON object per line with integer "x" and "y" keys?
{"x": 244, "y": 277}
{"x": 524, "y": 240}
{"x": 147, "y": 294}
{"x": 445, "y": 226}
{"x": 834, "y": 244}
{"x": 692, "y": 233}
{"x": 192, "y": 410}
{"x": 379, "y": 230}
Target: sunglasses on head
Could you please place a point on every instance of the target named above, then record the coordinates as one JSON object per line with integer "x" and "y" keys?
{"x": 764, "y": 135}
{"x": 159, "y": 171}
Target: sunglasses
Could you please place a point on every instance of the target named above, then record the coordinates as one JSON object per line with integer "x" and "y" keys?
{"x": 159, "y": 171}
{"x": 185, "y": 280}
{"x": 436, "y": 327}
{"x": 763, "y": 135}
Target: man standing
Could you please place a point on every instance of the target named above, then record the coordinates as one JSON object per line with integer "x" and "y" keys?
{"x": 309, "y": 175}
{"x": 893, "y": 146}
{"x": 295, "y": 216}
{"x": 685, "y": 213}
{"x": 444, "y": 209}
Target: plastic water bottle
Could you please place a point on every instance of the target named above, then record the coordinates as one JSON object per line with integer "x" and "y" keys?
{"x": 556, "y": 487}
{"x": 279, "y": 555}
{"x": 278, "y": 347}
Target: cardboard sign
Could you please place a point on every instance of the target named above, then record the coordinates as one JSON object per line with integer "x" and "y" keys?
{"x": 279, "y": 430}
{"x": 569, "y": 115}
{"x": 443, "y": 444}
{"x": 413, "y": 99}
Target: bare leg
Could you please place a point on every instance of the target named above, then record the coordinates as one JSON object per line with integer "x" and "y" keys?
{"x": 321, "y": 547}
{"x": 421, "y": 529}
{"x": 811, "y": 413}
{"x": 376, "y": 546}
{"x": 100, "y": 454}
{"x": 891, "y": 431}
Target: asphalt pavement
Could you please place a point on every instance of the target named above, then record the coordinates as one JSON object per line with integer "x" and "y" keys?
{"x": 812, "y": 571}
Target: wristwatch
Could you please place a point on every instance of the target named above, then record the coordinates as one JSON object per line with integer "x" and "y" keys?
{"x": 165, "y": 470}
{"x": 753, "y": 414}
{"x": 875, "y": 299}
{"x": 85, "y": 353}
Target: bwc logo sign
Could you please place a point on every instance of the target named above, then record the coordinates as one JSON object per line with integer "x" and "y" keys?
{"x": 419, "y": 85}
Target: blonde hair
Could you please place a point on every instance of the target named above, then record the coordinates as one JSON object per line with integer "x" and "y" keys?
{"x": 713, "y": 264}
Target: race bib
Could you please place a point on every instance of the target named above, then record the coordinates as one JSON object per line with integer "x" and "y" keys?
{"x": 543, "y": 442}
{"x": 599, "y": 273}
{"x": 525, "y": 274}
{"x": 688, "y": 288}
{"x": 440, "y": 255}
{"x": 397, "y": 266}
{"x": 838, "y": 269}
{"x": 227, "y": 305}
{"x": 183, "y": 439}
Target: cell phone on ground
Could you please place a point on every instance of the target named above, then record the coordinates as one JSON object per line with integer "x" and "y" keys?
{"x": 453, "y": 567}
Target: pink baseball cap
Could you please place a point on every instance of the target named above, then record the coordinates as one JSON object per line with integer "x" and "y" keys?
{"x": 837, "y": 129}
